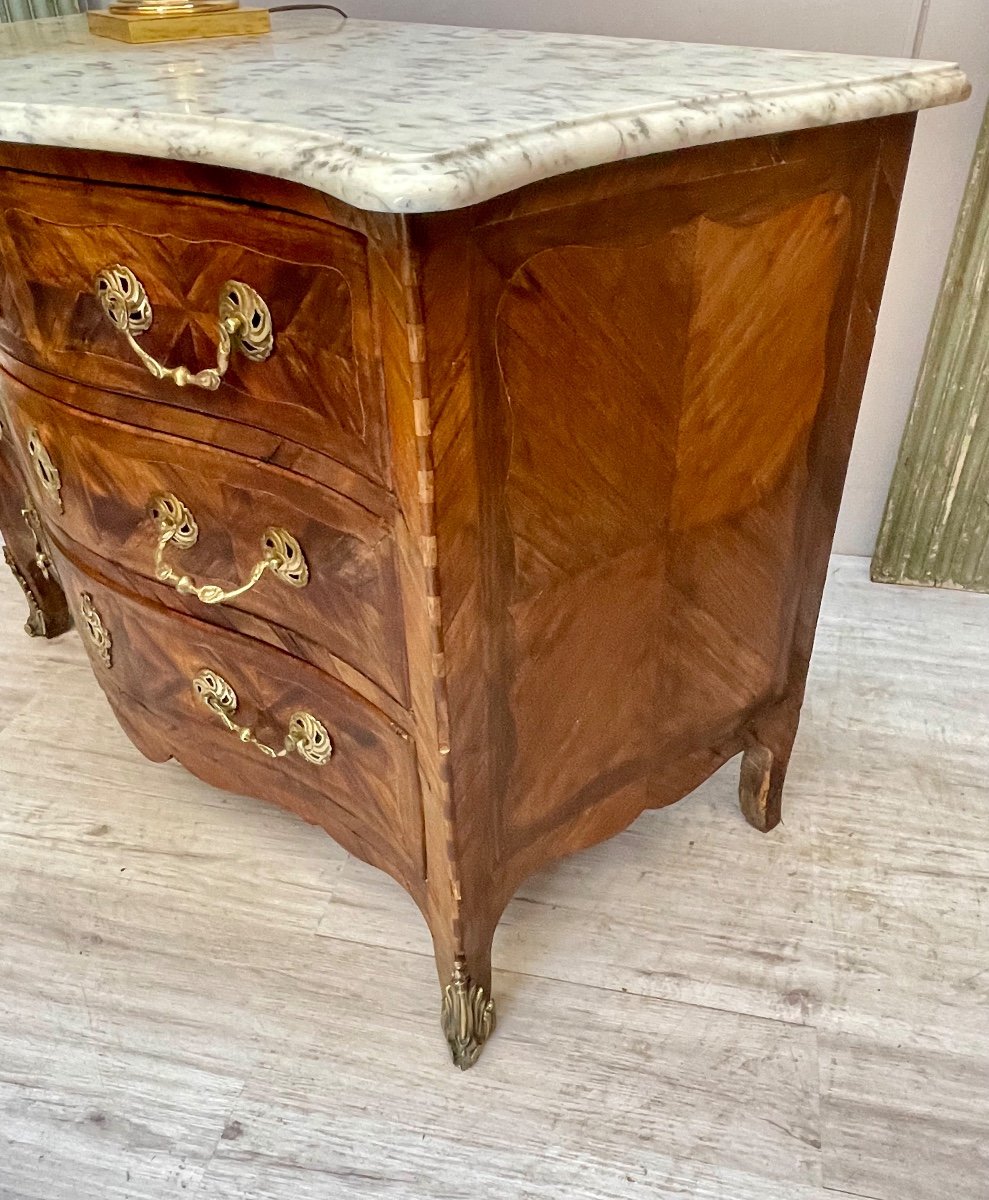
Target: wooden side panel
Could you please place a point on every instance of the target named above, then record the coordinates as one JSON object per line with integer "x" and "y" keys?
{"x": 762, "y": 295}
{"x": 630, "y": 444}
{"x": 593, "y": 409}
{"x": 661, "y": 398}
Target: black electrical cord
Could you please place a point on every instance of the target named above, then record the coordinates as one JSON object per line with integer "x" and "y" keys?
{"x": 306, "y": 8}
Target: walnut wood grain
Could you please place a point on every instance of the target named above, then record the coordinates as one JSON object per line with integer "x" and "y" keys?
{"x": 642, "y": 388}
{"x": 607, "y": 420}
{"x": 365, "y": 797}
{"x": 110, "y": 471}
{"x": 322, "y": 388}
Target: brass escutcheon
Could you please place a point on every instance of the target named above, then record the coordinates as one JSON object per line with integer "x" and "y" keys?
{"x": 96, "y": 631}
{"x": 33, "y": 522}
{"x": 46, "y": 471}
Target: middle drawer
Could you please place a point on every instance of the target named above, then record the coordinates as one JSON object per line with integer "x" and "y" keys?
{"x": 228, "y": 537}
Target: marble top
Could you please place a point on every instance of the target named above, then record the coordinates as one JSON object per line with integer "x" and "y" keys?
{"x": 418, "y": 118}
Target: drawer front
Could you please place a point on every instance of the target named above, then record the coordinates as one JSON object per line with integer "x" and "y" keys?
{"x": 106, "y": 485}
{"x": 320, "y": 386}
{"x": 357, "y": 778}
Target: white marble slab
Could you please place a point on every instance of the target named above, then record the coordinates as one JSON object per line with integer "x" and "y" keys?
{"x": 417, "y": 118}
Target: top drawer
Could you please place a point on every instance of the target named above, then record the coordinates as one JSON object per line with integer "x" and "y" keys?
{"x": 320, "y": 386}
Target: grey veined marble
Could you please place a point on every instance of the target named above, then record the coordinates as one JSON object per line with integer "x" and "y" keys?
{"x": 418, "y": 118}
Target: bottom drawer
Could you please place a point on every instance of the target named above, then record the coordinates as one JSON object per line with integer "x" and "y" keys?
{"x": 248, "y": 718}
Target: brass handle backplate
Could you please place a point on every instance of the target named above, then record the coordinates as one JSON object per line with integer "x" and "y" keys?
{"x": 95, "y": 630}
{"x": 244, "y": 325}
{"x": 281, "y": 554}
{"x": 46, "y": 471}
{"x": 306, "y": 736}
{"x": 33, "y": 522}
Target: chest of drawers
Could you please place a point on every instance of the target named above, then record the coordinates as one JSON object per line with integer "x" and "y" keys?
{"x": 467, "y": 531}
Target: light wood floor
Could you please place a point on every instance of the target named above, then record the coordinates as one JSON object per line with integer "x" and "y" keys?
{"x": 203, "y": 997}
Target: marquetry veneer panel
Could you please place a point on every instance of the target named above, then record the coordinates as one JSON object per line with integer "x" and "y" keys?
{"x": 366, "y": 795}
{"x": 109, "y": 473}
{"x": 321, "y": 387}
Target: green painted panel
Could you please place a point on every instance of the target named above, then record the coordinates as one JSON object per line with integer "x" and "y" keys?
{"x": 935, "y": 530}
{"x": 32, "y": 10}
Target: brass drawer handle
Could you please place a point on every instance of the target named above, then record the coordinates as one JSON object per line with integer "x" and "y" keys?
{"x": 244, "y": 325}
{"x": 306, "y": 736}
{"x": 281, "y": 554}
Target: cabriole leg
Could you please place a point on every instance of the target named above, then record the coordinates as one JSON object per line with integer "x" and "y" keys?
{"x": 48, "y": 614}
{"x": 463, "y": 963}
{"x": 25, "y": 549}
{"x": 760, "y": 788}
{"x": 763, "y": 773}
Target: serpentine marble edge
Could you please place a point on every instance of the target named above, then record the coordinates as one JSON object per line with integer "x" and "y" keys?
{"x": 418, "y": 118}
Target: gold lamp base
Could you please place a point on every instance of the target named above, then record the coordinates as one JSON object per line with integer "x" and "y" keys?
{"x": 143, "y": 21}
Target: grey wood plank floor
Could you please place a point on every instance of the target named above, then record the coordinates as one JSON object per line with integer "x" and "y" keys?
{"x": 201, "y": 996}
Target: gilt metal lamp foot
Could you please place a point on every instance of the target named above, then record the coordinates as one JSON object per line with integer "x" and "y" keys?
{"x": 144, "y": 21}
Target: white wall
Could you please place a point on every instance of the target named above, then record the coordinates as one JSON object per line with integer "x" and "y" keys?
{"x": 948, "y": 29}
